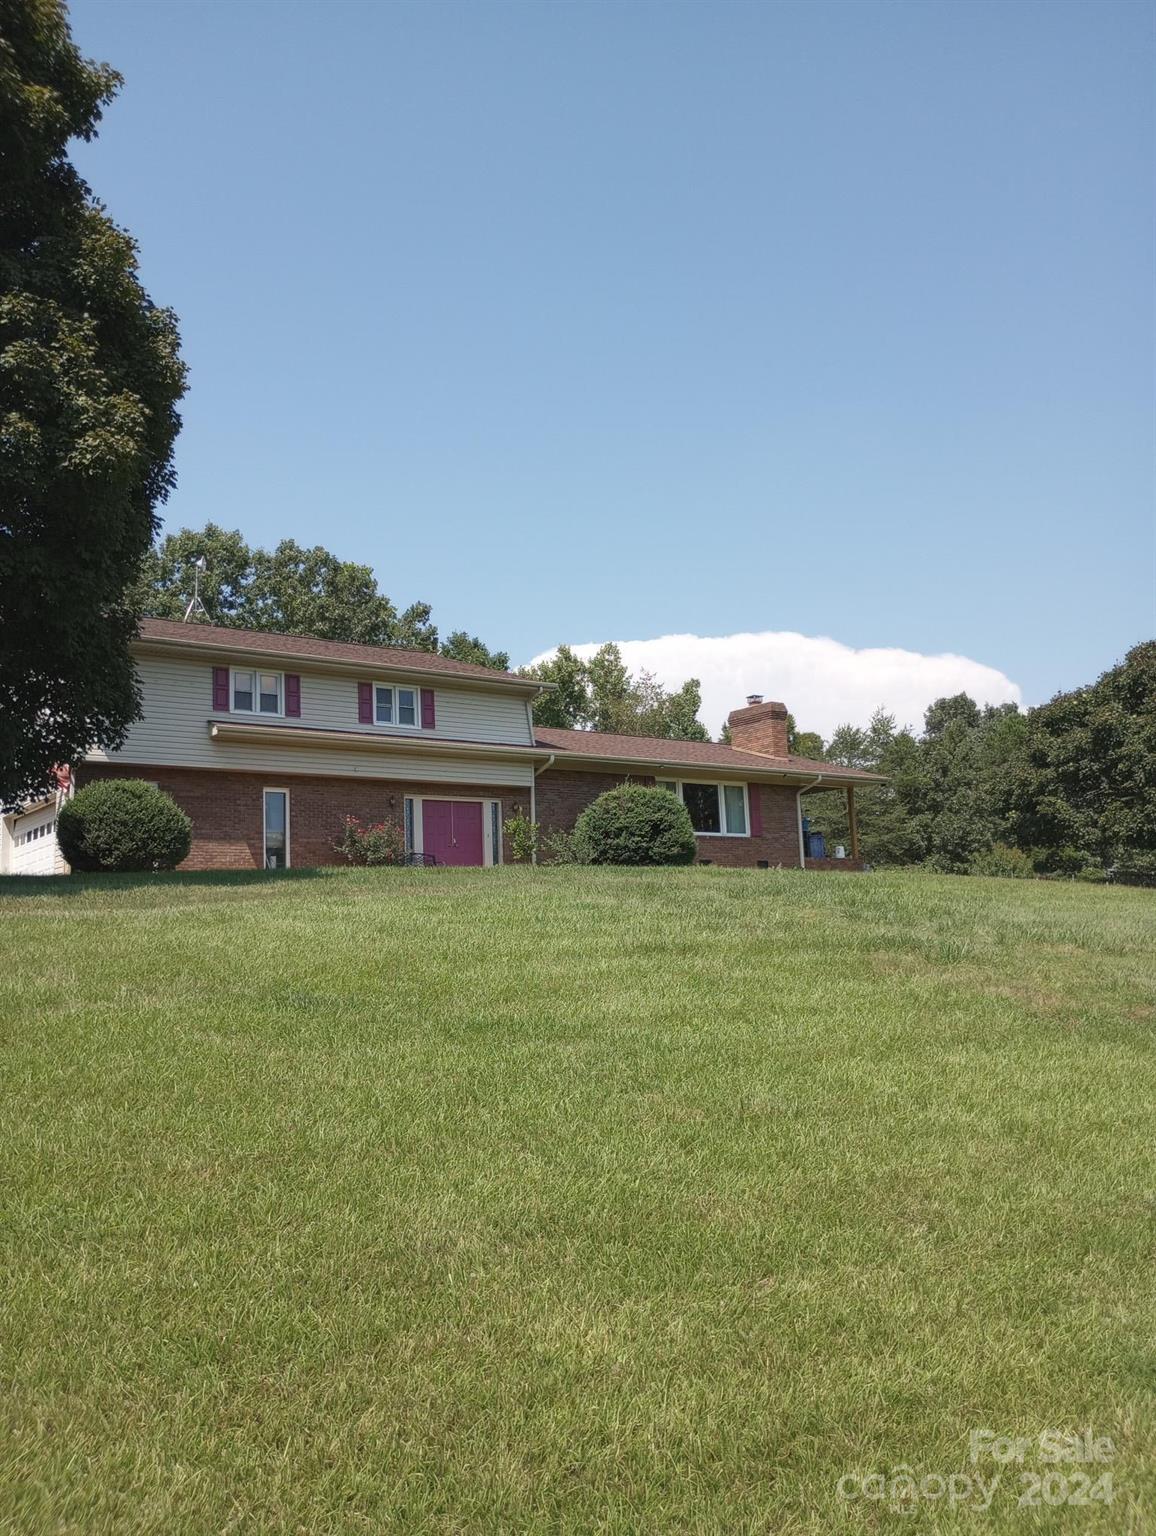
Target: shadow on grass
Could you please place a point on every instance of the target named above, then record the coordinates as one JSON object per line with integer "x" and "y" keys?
{"x": 65, "y": 886}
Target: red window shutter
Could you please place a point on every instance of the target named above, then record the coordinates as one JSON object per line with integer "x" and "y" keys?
{"x": 221, "y": 689}
{"x": 365, "y": 704}
{"x": 427, "y": 709}
{"x": 755, "y": 797}
{"x": 292, "y": 694}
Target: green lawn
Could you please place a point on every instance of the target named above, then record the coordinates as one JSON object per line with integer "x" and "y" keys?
{"x": 570, "y": 1200}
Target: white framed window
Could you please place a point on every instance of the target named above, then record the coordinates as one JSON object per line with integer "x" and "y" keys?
{"x": 716, "y": 810}
{"x": 45, "y": 829}
{"x": 395, "y": 706}
{"x": 257, "y": 693}
{"x": 276, "y": 828}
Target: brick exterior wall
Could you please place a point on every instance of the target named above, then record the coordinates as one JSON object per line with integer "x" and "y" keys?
{"x": 760, "y": 728}
{"x": 226, "y": 809}
{"x": 779, "y": 843}
{"x": 563, "y": 794}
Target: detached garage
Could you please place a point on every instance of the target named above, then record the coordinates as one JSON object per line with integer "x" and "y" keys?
{"x": 28, "y": 842}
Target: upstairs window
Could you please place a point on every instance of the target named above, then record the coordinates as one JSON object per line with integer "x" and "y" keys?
{"x": 257, "y": 693}
{"x": 394, "y": 706}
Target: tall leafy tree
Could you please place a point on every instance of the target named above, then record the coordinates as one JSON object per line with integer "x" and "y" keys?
{"x": 567, "y": 706}
{"x": 613, "y": 700}
{"x": 462, "y": 646}
{"x": 601, "y": 695}
{"x": 165, "y": 580}
{"x": 90, "y": 378}
{"x": 1084, "y": 786}
{"x": 286, "y": 590}
{"x": 802, "y": 743}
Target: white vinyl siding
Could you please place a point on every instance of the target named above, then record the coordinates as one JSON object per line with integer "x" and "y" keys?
{"x": 177, "y": 695}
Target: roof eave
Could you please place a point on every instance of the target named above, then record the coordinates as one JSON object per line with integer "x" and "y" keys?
{"x": 833, "y": 777}
{"x": 526, "y": 687}
{"x": 226, "y": 731}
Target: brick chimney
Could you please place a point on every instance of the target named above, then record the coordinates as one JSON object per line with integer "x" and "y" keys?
{"x": 759, "y": 728}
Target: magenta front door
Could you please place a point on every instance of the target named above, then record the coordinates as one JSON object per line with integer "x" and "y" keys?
{"x": 452, "y": 831}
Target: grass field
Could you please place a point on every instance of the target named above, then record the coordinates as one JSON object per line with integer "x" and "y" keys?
{"x": 571, "y": 1200}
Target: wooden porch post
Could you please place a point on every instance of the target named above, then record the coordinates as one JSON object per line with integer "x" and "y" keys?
{"x": 854, "y": 825}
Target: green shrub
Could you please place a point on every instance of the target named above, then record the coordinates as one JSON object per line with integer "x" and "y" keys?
{"x": 635, "y": 825}
{"x": 383, "y": 842}
{"x": 1007, "y": 862}
{"x": 1135, "y": 867}
{"x": 560, "y": 847}
{"x": 523, "y": 835}
{"x": 122, "y": 825}
{"x": 1067, "y": 861}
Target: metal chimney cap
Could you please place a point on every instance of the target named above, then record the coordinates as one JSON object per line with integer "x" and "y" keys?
{"x": 754, "y": 698}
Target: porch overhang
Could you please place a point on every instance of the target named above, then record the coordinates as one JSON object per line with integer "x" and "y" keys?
{"x": 742, "y": 773}
{"x": 240, "y": 731}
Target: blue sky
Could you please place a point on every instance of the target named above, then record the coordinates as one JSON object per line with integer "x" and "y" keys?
{"x": 611, "y": 321}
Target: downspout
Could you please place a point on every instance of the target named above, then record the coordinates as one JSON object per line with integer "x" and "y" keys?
{"x": 549, "y": 763}
{"x": 799, "y": 815}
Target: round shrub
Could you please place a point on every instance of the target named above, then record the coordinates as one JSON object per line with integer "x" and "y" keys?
{"x": 121, "y": 825}
{"x": 635, "y": 825}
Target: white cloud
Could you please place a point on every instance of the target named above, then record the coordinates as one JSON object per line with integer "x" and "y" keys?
{"x": 821, "y": 681}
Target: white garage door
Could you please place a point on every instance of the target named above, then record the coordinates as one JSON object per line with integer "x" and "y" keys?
{"x": 34, "y": 844}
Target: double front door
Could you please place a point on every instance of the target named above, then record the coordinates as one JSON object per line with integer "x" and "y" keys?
{"x": 452, "y": 831}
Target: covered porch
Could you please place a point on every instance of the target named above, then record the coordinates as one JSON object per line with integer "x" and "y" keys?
{"x": 837, "y": 849}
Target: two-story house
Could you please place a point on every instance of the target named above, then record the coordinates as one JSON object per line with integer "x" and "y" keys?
{"x": 270, "y": 741}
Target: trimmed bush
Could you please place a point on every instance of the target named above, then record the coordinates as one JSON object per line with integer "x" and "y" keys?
{"x": 635, "y": 825}
{"x": 122, "y": 825}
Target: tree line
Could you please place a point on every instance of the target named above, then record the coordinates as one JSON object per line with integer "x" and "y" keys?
{"x": 1068, "y": 788}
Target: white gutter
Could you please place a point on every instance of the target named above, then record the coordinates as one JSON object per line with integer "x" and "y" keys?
{"x": 799, "y": 810}
{"x": 549, "y": 763}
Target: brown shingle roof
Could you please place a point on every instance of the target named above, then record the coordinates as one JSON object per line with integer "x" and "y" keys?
{"x": 694, "y": 754}
{"x": 305, "y": 647}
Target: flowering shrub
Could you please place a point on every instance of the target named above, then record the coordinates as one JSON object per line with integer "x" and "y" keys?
{"x": 383, "y": 842}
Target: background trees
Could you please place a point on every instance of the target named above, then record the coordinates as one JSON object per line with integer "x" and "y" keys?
{"x": 600, "y": 695}
{"x": 290, "y": 590}
{"x": 1085, "y": 782}
{"x": 1071, "y": 785}
{"x": 90, "y": 377}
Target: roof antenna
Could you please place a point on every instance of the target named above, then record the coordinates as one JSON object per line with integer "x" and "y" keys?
{"x": 196, "y": 609}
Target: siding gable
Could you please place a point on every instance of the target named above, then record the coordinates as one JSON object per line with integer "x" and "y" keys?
{"x": 178, "y": 692}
